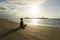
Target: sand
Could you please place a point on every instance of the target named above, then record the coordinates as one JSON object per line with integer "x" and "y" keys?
{"x": 29, "y": 33}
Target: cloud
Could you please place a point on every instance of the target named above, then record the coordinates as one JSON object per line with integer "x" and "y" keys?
{"x": 10, "y": 8}
{"x": 2, "y": 0}
{"x": 2, "y": 8}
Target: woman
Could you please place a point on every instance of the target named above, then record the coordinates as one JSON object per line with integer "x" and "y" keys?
{"x": 21, "y": 23}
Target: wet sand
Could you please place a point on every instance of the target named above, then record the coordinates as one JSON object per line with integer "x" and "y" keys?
{"x": 29, "y": 33}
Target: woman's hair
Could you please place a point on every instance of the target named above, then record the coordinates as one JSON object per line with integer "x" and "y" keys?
{"x": 21, "y": 18}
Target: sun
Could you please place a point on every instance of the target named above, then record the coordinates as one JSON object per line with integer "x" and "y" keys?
{"x": 34, "y": 10}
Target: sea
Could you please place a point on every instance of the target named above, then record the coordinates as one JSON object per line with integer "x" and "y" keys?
{"x": 39, "y": 22}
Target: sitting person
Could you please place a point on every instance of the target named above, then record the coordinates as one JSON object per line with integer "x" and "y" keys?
{"x": 22, "y": 23}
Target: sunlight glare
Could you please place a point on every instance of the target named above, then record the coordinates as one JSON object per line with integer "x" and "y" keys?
{"x": 34, "y": 9}
{"x": 34, "y": 22}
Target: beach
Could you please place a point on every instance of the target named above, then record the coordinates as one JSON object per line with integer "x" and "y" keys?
{"x": 29, "y": 33}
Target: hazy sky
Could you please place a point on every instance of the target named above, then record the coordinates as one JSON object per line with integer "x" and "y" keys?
{"x": 30, "y": 8}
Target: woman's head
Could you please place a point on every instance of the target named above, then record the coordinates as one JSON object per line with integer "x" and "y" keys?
{"x": 21, "y": 18}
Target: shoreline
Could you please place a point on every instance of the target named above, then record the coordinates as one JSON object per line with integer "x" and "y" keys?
{"x": 29, "y": 33}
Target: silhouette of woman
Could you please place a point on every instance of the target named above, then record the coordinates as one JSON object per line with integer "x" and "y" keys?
{"x": 21, "y": 23}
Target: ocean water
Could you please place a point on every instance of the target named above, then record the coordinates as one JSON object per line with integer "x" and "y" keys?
{"x": 44, "y": 22}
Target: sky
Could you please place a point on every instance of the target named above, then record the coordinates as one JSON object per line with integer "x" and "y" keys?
{"x": 29, "y": 8}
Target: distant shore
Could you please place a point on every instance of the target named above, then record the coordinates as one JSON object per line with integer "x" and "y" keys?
{"x": 35, "y": 18}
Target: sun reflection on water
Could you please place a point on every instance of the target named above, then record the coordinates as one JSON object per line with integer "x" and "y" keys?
{"x": 34, "y": 21}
